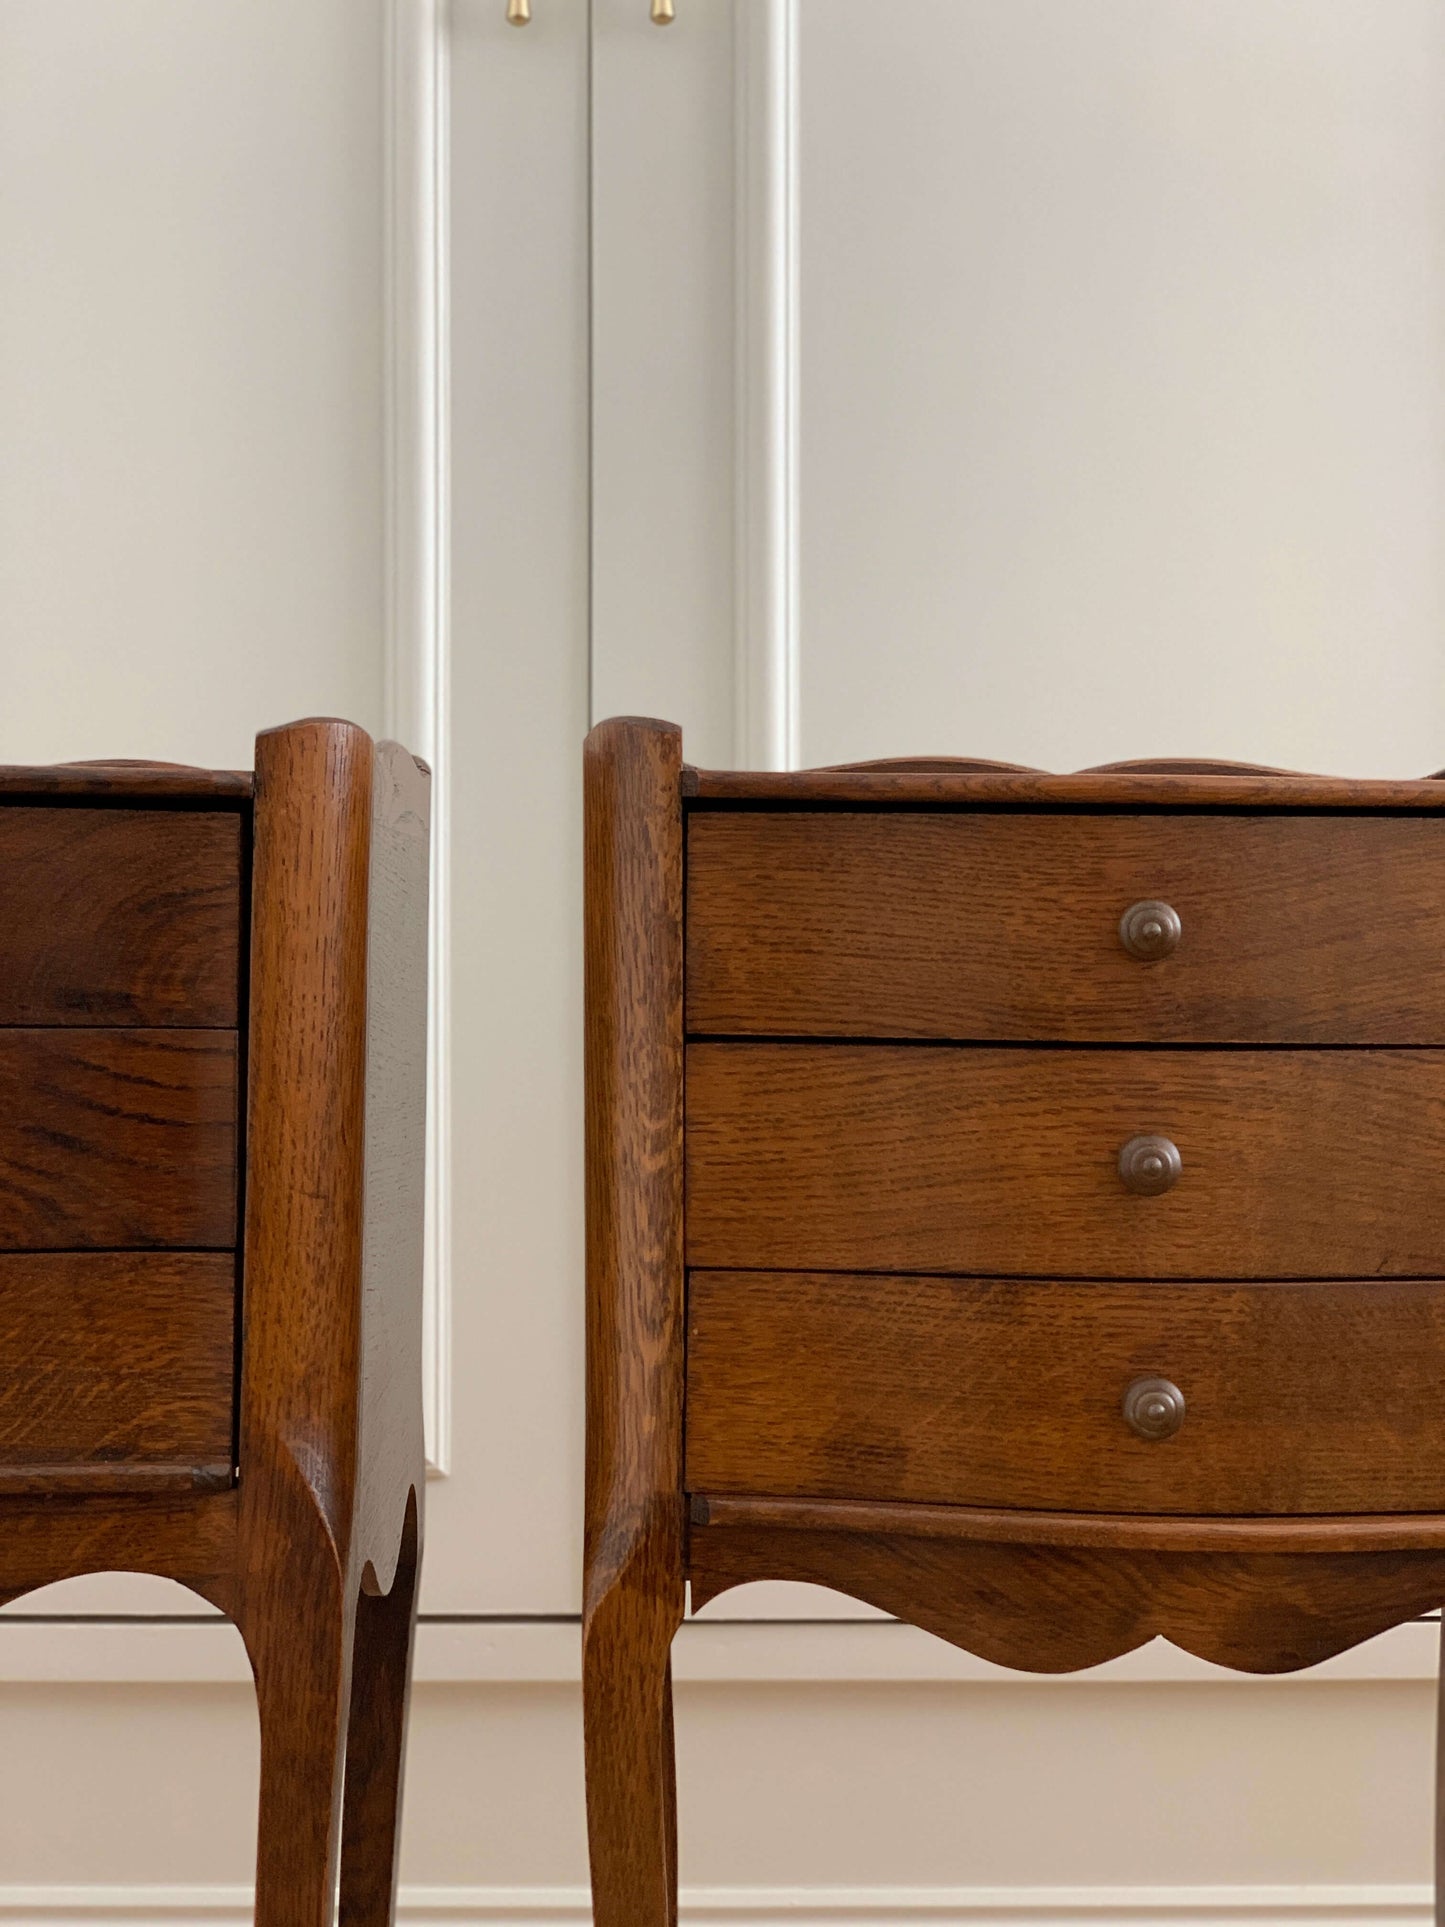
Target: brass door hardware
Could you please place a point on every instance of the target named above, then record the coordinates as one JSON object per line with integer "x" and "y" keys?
{"x": 519, "y": 12}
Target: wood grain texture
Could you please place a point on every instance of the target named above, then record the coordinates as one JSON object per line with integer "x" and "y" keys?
{"x": 127, "y": 781}
{"x": 1088, "y": 1531}
{"x": 1296, "y": 928}
{"x": 376, "y": 1736}
{"x": 854, "y": 1157}
{"x": 633, "y": 1591}
{"x": 1299, "y": 1398}
{"x": 1049, "y": 1609}
{"x": 120, "y": 916}
{"x": 301, "y": 1347}
{"x": 190, "y": 1538}
{"x": 934, "y": 781}
{"x": 331, "y": 1391}
{"x": 117, "y": 1138}
{"x": 119, "y": 1371}
{"x": 1132, "y": 766}
{"x": 306, "y": 1128}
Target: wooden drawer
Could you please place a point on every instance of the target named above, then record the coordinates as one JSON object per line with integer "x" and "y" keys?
{"x": 1295, "y": 1164}
{"x": 976, "y": 925}
{"x": 119, "y": 916}
{"x": 117, "y": 1138}
{"x": 119, "y": 1370}
{"x": 1299, "y": 1398}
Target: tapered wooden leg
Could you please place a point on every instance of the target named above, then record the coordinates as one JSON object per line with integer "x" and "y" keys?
{"x": 376, "y": 1743}
{"x": 302, "y": 1662}
{"x": 631, "y": 1781}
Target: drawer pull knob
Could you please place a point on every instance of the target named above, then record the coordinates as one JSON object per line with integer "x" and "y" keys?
{"x": 1150, "y": 930}
{"x": 1149, "y": 1164}
{"x": 1154, "y": 1408}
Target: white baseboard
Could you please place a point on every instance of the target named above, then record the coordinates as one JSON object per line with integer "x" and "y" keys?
{"x": 1303, "y": 1906}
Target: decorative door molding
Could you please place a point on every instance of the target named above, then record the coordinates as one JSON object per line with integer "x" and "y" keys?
{"x": 418, "y": 635}
{"x": 766, "y": 129}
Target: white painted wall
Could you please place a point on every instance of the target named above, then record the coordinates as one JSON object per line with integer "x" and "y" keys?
{"x": 883, "y": 1789}
{"x": 190, "y": 373}
{"x": 1122, "y": 385}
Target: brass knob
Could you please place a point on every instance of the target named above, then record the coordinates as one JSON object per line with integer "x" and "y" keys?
{"x": 1154, "y": 1408}
{"x": 1149, "y": 1164}
{"x": 1150, "y": 930}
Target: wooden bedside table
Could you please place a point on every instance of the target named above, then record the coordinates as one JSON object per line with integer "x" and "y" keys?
{"x": 212, "y": 1096}
{"x": 1013, "y": 1200}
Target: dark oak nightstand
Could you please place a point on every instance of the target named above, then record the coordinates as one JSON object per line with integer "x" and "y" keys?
{"x": 1013, "y": 1200}
{"x": 212, "y": 1099}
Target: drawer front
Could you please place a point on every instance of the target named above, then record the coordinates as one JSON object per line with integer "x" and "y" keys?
{"x": 117, "y": 1138}
{"x": 1294, "y": 1164}
{"x": 119, "y": 1370}
{"x": 119, "y": 916}
{"x": 1292, "y": 928}
{"x": 1297, "y": 1398}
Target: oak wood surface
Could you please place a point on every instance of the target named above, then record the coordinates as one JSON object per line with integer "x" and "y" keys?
{"x": 302, "y": 1312}
{"x": 938, "y": 781}
{"x": 1300, "y": 1398}
{"x": 633, "y": 1584}
{"x": 127, "y": 782}
{"x": 188, "y": 1537}
{"x": 119, "y": 1370}
{"x": 1296, "y": 1163}
{"x": 120, "y": 916}
{"x": 376, "y": 1736}
{"x": 1296, "y": 928}
{"x": 1051, "y": 1609}
{"x": 117, "y": 1138}
{"x": 327, "y": 1431}
{"x": 1086, "y": 1531}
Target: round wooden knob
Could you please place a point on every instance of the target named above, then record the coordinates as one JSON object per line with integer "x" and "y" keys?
{"x": 1154, "y": 1408}
{"x": 1150, "y": 930}
{"x": 1149, "y": 1164}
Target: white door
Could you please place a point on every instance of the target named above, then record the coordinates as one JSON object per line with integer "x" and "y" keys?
{"x": 1065, "y": 380}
